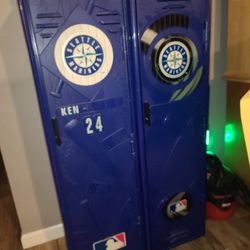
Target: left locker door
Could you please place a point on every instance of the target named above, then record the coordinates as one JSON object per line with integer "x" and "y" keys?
{"x": 78, "y": 54}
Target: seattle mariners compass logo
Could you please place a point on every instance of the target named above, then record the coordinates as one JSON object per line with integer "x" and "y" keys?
{"x": 173, "y": 60}
{"x": 83, "y": 54}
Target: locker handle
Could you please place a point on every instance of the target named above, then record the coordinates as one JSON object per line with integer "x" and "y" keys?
{"x": 56, "y": 131}
{"x": 147, "y": 115}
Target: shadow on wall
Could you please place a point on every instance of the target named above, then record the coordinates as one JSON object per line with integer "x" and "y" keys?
{"x": 217, "y": 107}
{"x": 18, "y": 83}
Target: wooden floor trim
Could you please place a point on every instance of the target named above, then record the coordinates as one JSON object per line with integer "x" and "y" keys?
{"x": 42, "y": 236}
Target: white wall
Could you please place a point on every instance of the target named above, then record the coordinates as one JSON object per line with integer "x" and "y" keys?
{"x": 21, "y": 134}
{"x": 217, "y": 107}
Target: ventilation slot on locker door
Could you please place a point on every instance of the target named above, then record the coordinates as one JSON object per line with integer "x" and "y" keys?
{"x": 174, "y": 4}
{"x": 108, "y": 13}
{"x": 49, "y": 15}
{"x": 174, "y": 20}
{"x": 173, "y": 0}
{"x": 110, "y": 19}
{"x": 48, "y": 24}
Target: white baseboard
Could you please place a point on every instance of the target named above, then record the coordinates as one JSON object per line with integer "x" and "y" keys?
{"x": 42, "y": 236}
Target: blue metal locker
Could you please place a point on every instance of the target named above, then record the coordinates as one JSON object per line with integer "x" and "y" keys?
{"x": 123, "y": 93}
{"x": 173, "y": 56}
{"x": 78, "y": 51}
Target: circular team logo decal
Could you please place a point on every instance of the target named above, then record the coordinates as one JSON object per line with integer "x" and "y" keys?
{"x": 178, "y": 206}
{"x": 84, "y": 54}
{"x": 174, "y": 60}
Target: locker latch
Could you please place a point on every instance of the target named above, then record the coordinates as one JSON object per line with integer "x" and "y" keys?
{"x": 56, "y": 131}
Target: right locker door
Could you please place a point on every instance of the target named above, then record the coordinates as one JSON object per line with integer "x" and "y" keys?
{"x": 174, "y": 46}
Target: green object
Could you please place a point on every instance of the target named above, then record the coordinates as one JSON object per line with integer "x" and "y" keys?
{"x": 230, "y": 133}
{"x": 210, "y": 152}
{"x": 208, "y": 138}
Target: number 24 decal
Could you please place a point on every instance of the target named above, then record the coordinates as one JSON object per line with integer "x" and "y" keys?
{"x": 90, "y": 125}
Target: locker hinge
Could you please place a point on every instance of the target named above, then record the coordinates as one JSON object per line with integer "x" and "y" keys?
{"x": 147, "y": 115}
{"x": 132, "y": 144}
{"x": 20, "y": 7}
{"x": 206, "y": 36}
{"x": 125, "y": 43}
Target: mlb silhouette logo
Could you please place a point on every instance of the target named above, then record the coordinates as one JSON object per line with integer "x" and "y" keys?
{"x": 112, "y": 243}
{"x": 179, "y": 206}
